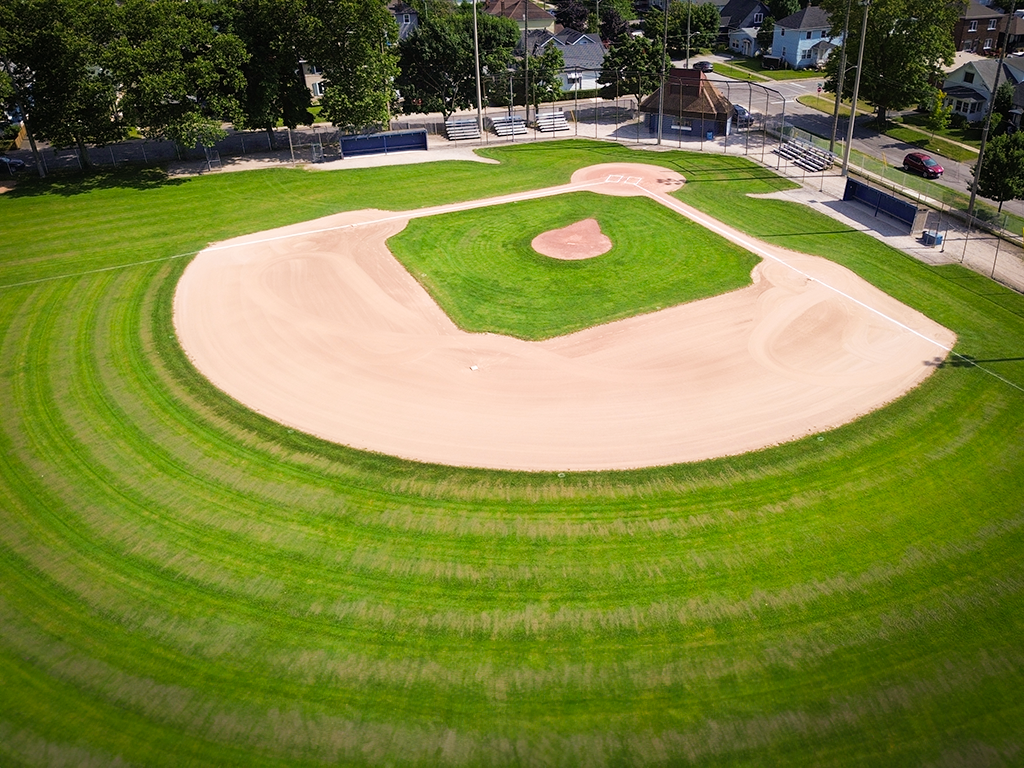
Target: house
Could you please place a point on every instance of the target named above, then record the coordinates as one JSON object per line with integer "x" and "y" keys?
{"x": 313, "y": 76}
{"x": 583, "y": 55}
{"x": 525, "y": 13}
{"x": 740, "y": 22}
{"x": 406, "y": 16}
{"x": 692, "y": 106}
{"x": 969, "y": 87}
{"x": 802, "y": 39}
{"x": 1014, "y": 37}
{"x": 979, "y": 29}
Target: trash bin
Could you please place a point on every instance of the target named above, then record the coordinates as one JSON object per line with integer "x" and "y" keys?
{"x": 711, "y": 136}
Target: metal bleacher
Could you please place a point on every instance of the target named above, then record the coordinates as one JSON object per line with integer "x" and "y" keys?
{"x": 805, "y": 155}
{"x": 508, "y": 125}
{"x": 552, "y": 121}
{"x": 461, "y": 128}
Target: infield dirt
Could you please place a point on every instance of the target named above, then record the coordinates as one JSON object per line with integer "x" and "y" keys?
{"x": 317, "y": 326}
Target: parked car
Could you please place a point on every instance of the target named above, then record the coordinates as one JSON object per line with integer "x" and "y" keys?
{"x": 918, "y": 162}
{"x": 743, "y": 117}
{"x": 704, "y": 66}
{"x": 12, "y": 164}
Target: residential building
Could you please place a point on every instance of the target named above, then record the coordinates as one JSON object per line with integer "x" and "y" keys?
{"x": 314, "y": 79}
{"x": 740, "y": 21}
{"x": 802, "y": 39}
{"x": 406, "y": 16}
{"x": 525, "y": 13}
{"x": 979, "y": 29}
{"x": 969, "y": 87}
{"x": 583, "y": 55}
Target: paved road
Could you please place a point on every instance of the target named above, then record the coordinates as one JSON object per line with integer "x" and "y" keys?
{"x": 957, "y": 176}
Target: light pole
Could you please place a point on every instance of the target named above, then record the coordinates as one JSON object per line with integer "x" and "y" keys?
{"x": 664, "y": 58}
{"x": 476, "y": 62}
{"x": 856, "y": 89}
{"x": 842, "y": 78}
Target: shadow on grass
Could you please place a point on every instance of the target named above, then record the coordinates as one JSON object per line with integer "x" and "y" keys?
{"x": 967, "y": 361}
{"x": 80, "y": 183}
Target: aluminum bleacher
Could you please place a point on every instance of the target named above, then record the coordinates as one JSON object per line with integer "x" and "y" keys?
{"x": 508, "y": 125}
{"x": 805, "y": 155}
{"x": 552, "y": 121}
{"x": 461, "y": 128}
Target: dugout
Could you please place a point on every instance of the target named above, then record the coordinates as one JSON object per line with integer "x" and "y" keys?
{"x": 382, "y": 143}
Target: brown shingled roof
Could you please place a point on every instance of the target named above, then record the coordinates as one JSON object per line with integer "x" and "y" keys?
{"x": 689, "y": 94}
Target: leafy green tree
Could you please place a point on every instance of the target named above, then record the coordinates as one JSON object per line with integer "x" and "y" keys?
{"x": 572, "y": 14}
{"x": 1004, "y": 100}
{"x": 907, "y": 44}
{"x": 436, "y": 61}
{"x": 704, "y": 21}
{"x": 180, "y": 74}
{"x": 53, "y": 61}
{"x": 632, "y": 67}
{"x": 545, "y": 75}
{"x": 1002, "y": 171}
{"x": 352, "y": 41}
{"x": 614, "y": 28}
{"x": 275, "y": 91}
{"x": 780, "y": 9}
{"x": 941, "y": 112}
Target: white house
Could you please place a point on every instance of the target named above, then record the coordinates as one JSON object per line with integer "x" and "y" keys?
{"x": 802, "y": 39}
{"x": 969, "y": 87}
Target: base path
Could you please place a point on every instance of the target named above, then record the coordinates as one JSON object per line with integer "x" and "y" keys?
{"x": 317, "y": 326}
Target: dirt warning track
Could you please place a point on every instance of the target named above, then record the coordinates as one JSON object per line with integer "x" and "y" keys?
{"x": 317, "y": 326}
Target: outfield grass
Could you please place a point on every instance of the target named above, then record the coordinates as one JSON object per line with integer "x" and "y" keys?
{"x": 481, "y": 269}
{"x": 183, "y": 582}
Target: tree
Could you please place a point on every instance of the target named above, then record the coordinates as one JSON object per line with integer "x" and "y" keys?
{"x": 1002, "y": 170}
{"x": 352, "y": 41}
{"x": 436, "y": 61}
{"x": 633, "y": 67}
{"x": 55, "y": 74}
{"x": 614, "y": 28}
{"x": 766, "y": 35}
{"x": 907, "y": 44}
{"x": 545, "y": 75}
{"x": 572, "y": 14}
{"x": 1004, "y": 100}
{"x": 275, "y": 91}
{"x": 180, "y": 74}
{"x": 780, "y": 9}
{"x": 940, "y": 114}
{"x": 703, "y": 25}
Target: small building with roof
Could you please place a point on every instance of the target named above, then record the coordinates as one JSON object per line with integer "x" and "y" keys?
{"x": 969, "y": 87}
{"x": 979, "y": 29}
{"x": 583, "y": 54}
{"x": 692, "y": 106}
{"x": 525, "y": 13}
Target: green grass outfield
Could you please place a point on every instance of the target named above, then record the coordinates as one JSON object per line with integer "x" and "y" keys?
{"x": 183, "y": 583}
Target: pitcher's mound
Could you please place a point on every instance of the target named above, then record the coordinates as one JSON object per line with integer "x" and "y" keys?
{"x": 582, "y": 240}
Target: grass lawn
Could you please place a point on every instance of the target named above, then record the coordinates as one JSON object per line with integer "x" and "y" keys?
{"x": 479, "y": 265}
{"x": 183, "y": 582}
{"x": 755, "y": 66}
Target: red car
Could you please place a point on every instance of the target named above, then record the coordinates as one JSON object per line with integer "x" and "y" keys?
{"x": 918, "y": 162}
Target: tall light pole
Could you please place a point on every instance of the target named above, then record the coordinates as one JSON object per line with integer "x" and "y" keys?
{"x": 988, "y": 118}
{"x": 856, "y": 89}
{"x": 664, "y": 58}
{"x": 842, "y": 78}
{"x": 476, "y": 61}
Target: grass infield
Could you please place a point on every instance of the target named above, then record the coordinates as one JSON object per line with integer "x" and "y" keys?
{"x": 183, "y": 582}
{"x": 481, "y": 269}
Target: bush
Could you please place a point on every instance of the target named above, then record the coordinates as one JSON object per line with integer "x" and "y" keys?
{"x": 958, "y": 121}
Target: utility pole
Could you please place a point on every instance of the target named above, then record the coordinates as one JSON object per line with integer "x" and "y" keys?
{"x": 842, "y": 78}
{"x": 988, "y": 117}
{"x": 664, "y": 58}
{"x": 856, "y": 90}
{"x": 476, "y": 61}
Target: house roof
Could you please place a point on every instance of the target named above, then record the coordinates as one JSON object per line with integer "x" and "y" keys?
{"x": 688, "y": 93}
{"x": 514, "y": 9}
{"x": 963, "y": 93}
{"x": 986, "y": 68}
{"x": 579, "y": 50}
{"x": 811, "y": 17}
{"x": 976, "y": 10}
{"x": 736, "y": 12}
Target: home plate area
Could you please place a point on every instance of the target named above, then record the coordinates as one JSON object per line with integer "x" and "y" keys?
{"x": 319, "y": 327}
